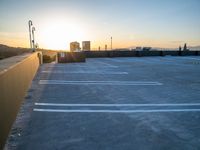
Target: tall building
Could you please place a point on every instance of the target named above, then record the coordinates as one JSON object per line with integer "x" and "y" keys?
{"x": 74, "y": 46}
{"x": 86, "y": 46}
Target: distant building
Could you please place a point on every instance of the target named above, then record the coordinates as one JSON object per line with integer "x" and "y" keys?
{"x": 86, "y": 46}
{"x": 74, "y": 46}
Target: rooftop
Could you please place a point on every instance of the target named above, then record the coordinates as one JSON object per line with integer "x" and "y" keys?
{"x": 112, "y": 103}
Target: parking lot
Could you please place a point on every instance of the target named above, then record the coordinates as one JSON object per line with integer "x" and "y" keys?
{"x": 134, "y": 103}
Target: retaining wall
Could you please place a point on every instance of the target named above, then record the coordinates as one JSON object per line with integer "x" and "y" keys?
{"x": 16, "y": 74}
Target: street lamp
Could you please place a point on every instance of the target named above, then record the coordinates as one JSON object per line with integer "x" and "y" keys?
{"x": 111, "y": 43}
{"x": 30, "y": 23}
{"x": 33, "y": 40}
{"x": 32, "y": 35}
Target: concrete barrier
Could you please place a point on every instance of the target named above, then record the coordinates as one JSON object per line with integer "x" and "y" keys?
{"x": 98, "y": 54}
{"x": 148, "y": 53}
{"x": 188, "y": 53}
{"x": 171, "y": 53}
{"x": 68, "y": 57}
{"x": 122, "y": 53}
{"x": 16, "y": 74}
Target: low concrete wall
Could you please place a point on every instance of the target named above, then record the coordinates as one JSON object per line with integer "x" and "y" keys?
{"x": 188, "y": 53}
{"x": 148, "y": 53}
{"x": 69, "y": 57}
{"x": 172, "y": 53}
{"x": 122, "y": 53}
{"x": 16, "y": 74}
{"x": 97, "y": 54}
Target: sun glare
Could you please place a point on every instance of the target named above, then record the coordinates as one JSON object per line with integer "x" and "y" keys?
{"x": 58, "y": 35}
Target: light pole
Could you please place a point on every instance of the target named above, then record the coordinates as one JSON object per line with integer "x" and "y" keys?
{"x": 33, "y": 40}
{"x": 32, "y": 35}
{"x": 30, "y": 23}
{"x": 111, "y": 43}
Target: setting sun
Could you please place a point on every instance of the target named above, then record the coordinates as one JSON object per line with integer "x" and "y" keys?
{"x": 59, "y": 34}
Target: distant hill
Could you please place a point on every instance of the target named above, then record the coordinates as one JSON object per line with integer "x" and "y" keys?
{"x": 160, "y": 48}
{"x": 3, "y": 46}
{"x": 7, "y": 51}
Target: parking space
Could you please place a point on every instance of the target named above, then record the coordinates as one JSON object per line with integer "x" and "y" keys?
{"x": 115, "y": 103}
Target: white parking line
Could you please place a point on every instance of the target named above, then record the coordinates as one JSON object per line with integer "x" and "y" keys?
{"x": 88, "y": 67}
{"x": 115, "y": 111}
{"x": 108, "y": 65}
{"x": 189, "y": 58}
{"x": 86, "y": 72}
{"x": 118, "y": 105}
{"x": 98, "y": 82}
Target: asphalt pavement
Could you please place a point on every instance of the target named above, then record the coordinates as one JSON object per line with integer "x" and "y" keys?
{"x": 147, "y": 103}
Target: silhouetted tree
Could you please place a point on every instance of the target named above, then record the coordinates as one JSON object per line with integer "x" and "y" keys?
{"x": 180, "y": 48}
{"x": 185, "y": 47}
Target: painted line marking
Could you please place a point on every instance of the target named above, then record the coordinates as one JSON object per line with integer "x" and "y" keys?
{"x": 189, "y": 58}
{"x": 165, "y": 61}
{"x": 116, "y": 111}
{"x": 88, "y": 66}
{"x": 109, "y": 65}
{"x": 85, "y": 72}
{"x": 113, "y": 105}
{"x": 98, "y": 82}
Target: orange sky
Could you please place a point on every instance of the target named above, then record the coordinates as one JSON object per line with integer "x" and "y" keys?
{"x": 165, "y": 24}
